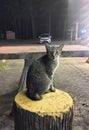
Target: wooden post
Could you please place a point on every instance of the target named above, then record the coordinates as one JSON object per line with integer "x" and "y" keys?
{"x": 76, "y": 33}
{"x": 53, "y": 112}
{"x": 71, "y": 34}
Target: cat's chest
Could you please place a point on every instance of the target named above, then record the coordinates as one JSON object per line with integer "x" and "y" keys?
{"x": 55, "y": 65}
{"x": 52, "y": 66}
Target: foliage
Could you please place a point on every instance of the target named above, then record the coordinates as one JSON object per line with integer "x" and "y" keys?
{"x": 3, "y": 64}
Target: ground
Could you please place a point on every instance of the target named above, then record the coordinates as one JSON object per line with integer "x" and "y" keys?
{"x": 71, "y": 76}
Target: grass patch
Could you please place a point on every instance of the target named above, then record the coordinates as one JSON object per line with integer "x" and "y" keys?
{"x": 3, "y": 64}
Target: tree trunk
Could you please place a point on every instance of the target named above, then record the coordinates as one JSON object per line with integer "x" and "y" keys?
{"x": 53, "y": 112}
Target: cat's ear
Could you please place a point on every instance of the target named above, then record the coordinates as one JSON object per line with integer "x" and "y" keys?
{"x": 61, "y": 46}
{"x": 48, "y": 46}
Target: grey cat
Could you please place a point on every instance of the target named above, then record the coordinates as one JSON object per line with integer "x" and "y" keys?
{"x": 40, "y": 73}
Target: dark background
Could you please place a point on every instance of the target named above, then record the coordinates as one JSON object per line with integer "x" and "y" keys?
{"x": 30, "y": 18}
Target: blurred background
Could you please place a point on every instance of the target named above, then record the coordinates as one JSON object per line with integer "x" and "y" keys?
{"x": 27, "y": 19}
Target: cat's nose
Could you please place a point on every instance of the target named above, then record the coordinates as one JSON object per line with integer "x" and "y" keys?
{"x": 53, "y": 54}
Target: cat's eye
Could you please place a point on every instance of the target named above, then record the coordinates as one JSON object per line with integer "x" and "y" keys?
{"x": 57, "y": 53}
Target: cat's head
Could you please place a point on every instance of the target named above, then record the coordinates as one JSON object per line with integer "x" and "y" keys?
{"x": 53, "y": 51}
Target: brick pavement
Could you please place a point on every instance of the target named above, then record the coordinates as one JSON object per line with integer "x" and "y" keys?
{"x": 72, "y": 76}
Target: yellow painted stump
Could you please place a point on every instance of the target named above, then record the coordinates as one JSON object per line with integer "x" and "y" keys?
{"x": 53, "y": 112}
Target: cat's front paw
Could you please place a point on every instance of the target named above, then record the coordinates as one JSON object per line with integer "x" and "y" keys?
{"x": 52, "y": 89}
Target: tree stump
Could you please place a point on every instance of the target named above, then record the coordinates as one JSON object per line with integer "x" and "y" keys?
{"x": 53, "y": 112}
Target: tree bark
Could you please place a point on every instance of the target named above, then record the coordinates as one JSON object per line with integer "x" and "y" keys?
{"x": 46, "y": 114}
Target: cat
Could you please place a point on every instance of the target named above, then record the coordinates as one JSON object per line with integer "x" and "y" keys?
{"x": 40, "y": 74}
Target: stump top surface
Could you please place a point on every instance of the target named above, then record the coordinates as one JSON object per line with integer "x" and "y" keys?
{"x": 53, "y": 103}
